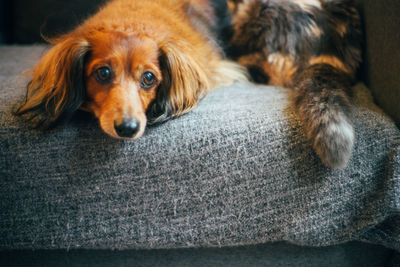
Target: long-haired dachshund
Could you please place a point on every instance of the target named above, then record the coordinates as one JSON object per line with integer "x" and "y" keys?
{"x": 134, "y": 62}
{"x": 150, "y": 60}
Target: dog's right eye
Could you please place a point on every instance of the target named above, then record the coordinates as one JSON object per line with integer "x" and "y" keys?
{"x": 103, "y": 75}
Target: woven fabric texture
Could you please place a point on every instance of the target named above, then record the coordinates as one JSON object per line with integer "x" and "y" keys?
{"x": 236, "y": 170}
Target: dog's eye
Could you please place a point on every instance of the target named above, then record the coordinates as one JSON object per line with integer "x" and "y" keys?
{"x": 147, "y": 80}
{"x": 103, "y": 75}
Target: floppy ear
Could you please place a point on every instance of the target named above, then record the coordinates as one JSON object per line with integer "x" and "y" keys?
{"x": 184, "y": 82}
{"x": 57, "y": 86}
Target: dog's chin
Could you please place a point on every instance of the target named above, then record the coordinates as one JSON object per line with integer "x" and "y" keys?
{"x": 113, "y": 134}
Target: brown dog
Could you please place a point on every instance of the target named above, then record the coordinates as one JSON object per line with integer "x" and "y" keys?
{"x": 132, "y": 62}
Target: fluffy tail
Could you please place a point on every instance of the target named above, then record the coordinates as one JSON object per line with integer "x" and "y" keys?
{"x": 320, "y": 96}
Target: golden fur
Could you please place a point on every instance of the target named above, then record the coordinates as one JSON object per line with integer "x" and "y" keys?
{"x": 130, "y": 38}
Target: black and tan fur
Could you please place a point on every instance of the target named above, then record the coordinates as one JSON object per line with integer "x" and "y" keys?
{"x": 312, "y": 47}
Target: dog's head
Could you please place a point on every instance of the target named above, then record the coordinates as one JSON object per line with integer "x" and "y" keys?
{"x": 122, "y": 74}
{"x": 125, "y": 79}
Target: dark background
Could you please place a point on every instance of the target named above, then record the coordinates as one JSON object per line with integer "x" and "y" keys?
{"x": 23, "y": 21}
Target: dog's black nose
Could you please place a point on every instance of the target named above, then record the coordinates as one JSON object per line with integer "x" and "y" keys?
{"x": 128, "y": 128}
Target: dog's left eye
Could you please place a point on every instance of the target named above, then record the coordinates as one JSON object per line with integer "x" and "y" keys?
{"x": 147, "y": 80}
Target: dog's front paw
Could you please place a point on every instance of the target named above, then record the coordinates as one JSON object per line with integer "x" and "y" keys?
{"x": 333, "y": 142}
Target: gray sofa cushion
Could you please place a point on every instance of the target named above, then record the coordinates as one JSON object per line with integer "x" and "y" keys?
{"x": 236, "y": 170}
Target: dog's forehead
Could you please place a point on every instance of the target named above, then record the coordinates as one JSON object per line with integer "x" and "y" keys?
{"x": 124, "y": 46}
